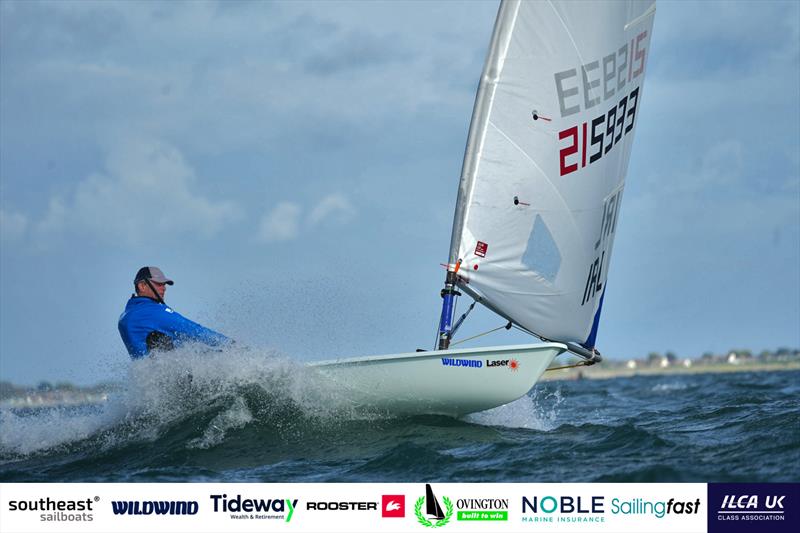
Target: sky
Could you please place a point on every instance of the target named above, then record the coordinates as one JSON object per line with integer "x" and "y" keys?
{"x": 294, "y": 168}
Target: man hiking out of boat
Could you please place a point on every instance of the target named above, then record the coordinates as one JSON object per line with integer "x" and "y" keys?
{"x": 148, "y": 324}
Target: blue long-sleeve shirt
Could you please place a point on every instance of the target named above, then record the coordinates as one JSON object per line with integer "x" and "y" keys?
{"x": 143, "y": 316}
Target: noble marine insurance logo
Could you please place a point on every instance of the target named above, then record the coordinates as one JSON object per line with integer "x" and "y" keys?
{"x": 50, "y": 510}
{"x": 433, "y": 515}
{"x": 563, "y": 509}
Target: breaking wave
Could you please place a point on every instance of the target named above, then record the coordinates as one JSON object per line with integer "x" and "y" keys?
{"x": 257, "y": 416}
{"x": 218, "y": 392}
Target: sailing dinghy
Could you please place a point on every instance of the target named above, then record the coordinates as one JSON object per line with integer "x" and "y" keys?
{"x": 537, "y": 207}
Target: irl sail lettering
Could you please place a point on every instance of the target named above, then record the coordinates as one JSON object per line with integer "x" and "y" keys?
{"x": 584, "y": 143}
{"x": 608, "y": 224}
{"x": 608, "y": 220}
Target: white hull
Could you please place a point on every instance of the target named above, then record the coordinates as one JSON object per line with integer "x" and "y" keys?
{"x": 452, "y": 382}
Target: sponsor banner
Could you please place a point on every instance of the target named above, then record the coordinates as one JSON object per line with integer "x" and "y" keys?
{"x": 362, "y": 507}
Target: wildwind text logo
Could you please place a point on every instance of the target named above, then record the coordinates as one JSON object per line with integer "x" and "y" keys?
{"x": 155, "y": 507}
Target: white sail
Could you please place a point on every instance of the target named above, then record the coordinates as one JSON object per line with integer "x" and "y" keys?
{"x": 546, "y": 159}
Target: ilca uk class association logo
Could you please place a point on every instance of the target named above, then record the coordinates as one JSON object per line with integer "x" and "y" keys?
{"x": 747, "y": 507}
{"x": 434, "y": 515}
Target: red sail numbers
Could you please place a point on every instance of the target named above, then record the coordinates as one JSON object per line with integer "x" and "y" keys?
{"x": 584, "y": 143}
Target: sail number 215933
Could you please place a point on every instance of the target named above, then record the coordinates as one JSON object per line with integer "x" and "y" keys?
{"x": 591, "y": 84}
{"x": 586, "y": 144}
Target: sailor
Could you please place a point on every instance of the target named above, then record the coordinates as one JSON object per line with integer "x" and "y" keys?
{"x": 148, "y": 324}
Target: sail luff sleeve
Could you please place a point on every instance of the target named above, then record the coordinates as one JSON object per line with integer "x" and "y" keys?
{"x": 501, "y": 37}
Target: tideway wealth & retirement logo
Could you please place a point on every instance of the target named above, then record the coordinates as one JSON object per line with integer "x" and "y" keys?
{"x": 239, "y": 508}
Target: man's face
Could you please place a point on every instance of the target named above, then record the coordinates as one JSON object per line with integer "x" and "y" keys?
{"x": 144, "y": 290}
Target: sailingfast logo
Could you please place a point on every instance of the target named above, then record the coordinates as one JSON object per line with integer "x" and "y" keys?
{"x": 467, "y": 363}
{"x": 433, "y": 516}
{"x": 254, "y": 508}
{"x": 657, "y": 508}
{"x": 155, "y": 507}
{"x": 57, "y": 510}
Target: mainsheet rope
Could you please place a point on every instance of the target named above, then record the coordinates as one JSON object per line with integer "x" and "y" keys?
{"x": 479, "y": 335}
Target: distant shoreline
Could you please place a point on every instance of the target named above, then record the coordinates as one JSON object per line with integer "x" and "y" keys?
{"x": 599, "y": 372}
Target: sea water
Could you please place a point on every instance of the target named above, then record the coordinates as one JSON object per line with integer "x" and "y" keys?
{"x": 258, "y": 417}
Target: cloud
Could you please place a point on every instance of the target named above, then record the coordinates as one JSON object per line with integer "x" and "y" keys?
{"x": 280, "y": 224}
{"x": 335, "y": 206}
{"x": 353, "y": 51}
{"x": 147, "y": 189}
{"x": 715, "y": 158}
{"x": 713, "y": 200}
{"x": 240, "y": 74}
{"x": 286, "y": 221}
{"x": 12, "y": 225}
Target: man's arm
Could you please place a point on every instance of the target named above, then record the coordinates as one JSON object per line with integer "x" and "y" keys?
{"x": 187, "y": 330}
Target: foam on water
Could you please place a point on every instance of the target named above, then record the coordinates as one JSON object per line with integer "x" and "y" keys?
{"x": 164, "y": 390}
{"x": 48, "y": 429}
{"x": 538, "y": 410}
{"x": 669, "y": 387}
{"x": 236, "y": 416}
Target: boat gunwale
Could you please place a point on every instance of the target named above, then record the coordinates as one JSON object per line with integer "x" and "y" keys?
{"x": 466, "y": 352}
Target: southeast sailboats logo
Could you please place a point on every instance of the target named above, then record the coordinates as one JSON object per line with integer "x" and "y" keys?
{"x": 433, "y": 509}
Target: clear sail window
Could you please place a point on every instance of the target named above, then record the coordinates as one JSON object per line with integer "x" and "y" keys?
{"x": 542, "y": 255}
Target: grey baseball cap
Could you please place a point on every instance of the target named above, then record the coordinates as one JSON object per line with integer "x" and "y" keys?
{"x": 153, "y": 274}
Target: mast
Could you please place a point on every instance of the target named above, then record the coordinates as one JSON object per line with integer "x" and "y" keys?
{"x": 449, "y": 294}
{"x": 501, "y": 35}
